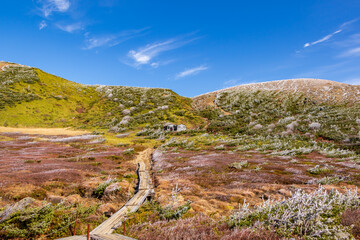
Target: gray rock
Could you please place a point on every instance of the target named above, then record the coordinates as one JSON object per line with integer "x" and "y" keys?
{"x": 19, "y": 206}
{"x": 126, "y": 111}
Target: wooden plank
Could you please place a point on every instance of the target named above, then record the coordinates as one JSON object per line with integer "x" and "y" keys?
{"x": 124, "y": 237}
{"x": 110, "y": 237}
{"x": 105, "y": 229}
{"x": 82, "y": 237}
{"x": 109, "y": 225}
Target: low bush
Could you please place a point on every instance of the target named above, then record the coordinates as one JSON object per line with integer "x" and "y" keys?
{"x": 318, "y": 170}
{"x": 351, "y": 218}
{"x": 45, "y": 222}
{"x": 315, "y": 215}
{"x": 129, "y": 151}
{"x": 331, "y": 180}
{"x": 198, "y": 227}
{"x": 239, "y": 165}
{"x": 100, "y": 190}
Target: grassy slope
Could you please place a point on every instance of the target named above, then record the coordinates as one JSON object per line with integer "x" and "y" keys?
{"x": 56, "y": 102}
{"x": 254, "y": 111}
{"x": 31, "y": 97}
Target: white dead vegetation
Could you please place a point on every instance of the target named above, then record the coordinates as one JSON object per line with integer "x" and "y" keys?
{"x": 315, "y": 126}
{"x": 125, "y": 120}
{"x": 318, "y": 89}
{"x": 75, "y": 138}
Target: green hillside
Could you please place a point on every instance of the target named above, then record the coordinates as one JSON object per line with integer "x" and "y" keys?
{"x": 31, "y": 97}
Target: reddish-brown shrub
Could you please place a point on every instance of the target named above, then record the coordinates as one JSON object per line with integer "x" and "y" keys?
{"x": 352, "y": 217}
{"x": 252, "y": 234}
{"x": 199, "y": 227}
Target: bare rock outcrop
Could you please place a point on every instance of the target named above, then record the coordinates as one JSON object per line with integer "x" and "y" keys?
{"x": 11, "y": 209}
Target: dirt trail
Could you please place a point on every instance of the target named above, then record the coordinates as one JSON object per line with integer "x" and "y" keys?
{"x": 105, "y": 230}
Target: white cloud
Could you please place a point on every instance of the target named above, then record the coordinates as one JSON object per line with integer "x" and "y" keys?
{"x": 191, "y": 71}
{"x": 42, "y": 25}
{"x": 349, "y": 22}
{"x": 144, "y": 55}
{"x": 95, "y": 42}
{"x": 70, "y": 28}
{"x": 155, "y": 64}
{"x": 50, "y": 6}
{"x": 327, "y": 37}
{"x": 111, "y": 40}
{"x": 351, "y": 52}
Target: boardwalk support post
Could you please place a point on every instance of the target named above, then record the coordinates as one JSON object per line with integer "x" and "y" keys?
{"x": 77, "y": 216}
{"x": 124, "y": 226}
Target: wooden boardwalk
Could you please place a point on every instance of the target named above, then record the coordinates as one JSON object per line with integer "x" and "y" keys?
{"x": 105, "y": 230}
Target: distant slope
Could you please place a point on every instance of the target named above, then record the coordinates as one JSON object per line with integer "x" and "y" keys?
{"x": 309, "y": 107}
{"x": 31, "y": 97}
{"x": 317, "y": 89}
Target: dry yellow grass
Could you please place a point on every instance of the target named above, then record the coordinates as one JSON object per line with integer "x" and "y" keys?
{"x": 3, "y": 64}
{"x": 45, "y": 131}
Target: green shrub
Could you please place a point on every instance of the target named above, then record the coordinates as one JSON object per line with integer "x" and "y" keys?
{"x": 318, "y": 170}
{"x": 100, "y": 190}
{"x": 239, "y": 165}
{"x": 129, "y": 151}
{"x": 50, "y": 220}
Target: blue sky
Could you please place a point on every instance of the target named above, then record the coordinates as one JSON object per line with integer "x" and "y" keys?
{"x": 191, "y": 47}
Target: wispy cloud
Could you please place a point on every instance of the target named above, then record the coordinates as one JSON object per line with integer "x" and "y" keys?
{"x": 95, "y": 42}
{"x": 351, "y": 52}
{"x": 70, "y": 28}
{"x": 352, "y": 46}
{"x": 191, "y": 71}
{"x": 111, "y": 40}
{"x": 42, "y": 25}
{"x": 327, "y": 37}
{"x": 351, "y": 41}
{"x": 146, "y": 54}
{"x": 349, "y": 22}
{"x": 50, "y": 6}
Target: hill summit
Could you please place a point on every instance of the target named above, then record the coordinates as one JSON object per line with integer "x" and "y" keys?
{"x": 320, "y": 90}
